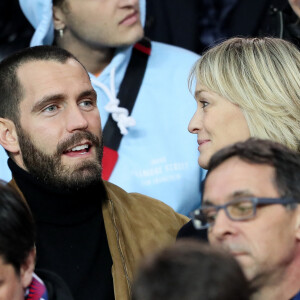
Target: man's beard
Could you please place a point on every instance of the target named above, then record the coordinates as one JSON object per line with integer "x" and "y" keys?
{"x": 49, "y": 168}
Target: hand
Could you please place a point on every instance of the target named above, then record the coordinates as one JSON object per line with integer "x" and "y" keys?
{"x": 295, "y": 4}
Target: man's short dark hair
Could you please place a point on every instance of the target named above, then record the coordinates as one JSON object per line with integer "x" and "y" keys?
{"x": 285, "y": 161}
{"x": 10, "y": 87}
{"x": 17, "y": 229}
{"x": 190, "y": 270}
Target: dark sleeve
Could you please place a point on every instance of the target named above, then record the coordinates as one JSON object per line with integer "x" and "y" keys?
{"x": 56, "y": 287}
{"x": 188, "y": 231}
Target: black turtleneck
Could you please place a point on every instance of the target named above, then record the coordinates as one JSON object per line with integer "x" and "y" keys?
{"x": 71, "y": 238}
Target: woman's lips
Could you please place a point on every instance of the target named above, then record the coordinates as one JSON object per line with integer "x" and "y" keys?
{"x": 202, "y": 142}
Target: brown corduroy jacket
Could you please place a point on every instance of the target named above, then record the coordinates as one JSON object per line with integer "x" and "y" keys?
{"x": 135, "y": 225}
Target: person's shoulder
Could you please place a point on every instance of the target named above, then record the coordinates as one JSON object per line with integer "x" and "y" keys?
{"x": 171, "y": 63}
{"x": 163, "y": 49}
{"x": 141, "y": 205}
{"x": 141, "y": 221}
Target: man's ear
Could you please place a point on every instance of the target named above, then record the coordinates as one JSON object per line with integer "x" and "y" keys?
{"x": 8, "y": 136}
{"x": 58, "y": 17}
{"x": 27, "y": 269}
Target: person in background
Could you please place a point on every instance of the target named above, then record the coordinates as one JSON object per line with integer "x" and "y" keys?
{"x": 141, "y": 86}
{"x": 245, "y": 87}
{"x": 251, "y": 209}
{"x": 17, "y": 254}
{"x": 190, "y": 270}
{"x": 90, "y": 232}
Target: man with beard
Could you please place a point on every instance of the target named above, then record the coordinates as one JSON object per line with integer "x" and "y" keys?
{"x": 90, "y": 232}
{"x": 251, "y": 208}
{"x": 145, "y": 102}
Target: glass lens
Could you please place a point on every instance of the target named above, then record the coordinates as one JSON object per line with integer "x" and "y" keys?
{"x": 209, "y": 214}
{"x": 241, "y": 209}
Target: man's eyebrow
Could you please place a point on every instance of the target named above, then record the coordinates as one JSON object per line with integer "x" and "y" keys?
{"x": 89, "y": 93}
{"x": 47, "y": 100}
{"x": 234, "y": 195}
{"x": 242, "y": 193}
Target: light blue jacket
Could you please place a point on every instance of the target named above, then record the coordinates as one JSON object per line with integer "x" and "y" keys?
{"x": 158, "y": 157}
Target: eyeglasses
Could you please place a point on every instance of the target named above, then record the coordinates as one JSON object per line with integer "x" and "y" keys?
{"x": 237, "y": 210}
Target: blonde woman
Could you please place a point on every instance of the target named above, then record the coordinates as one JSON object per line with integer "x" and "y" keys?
{"x": 246, "y": 87}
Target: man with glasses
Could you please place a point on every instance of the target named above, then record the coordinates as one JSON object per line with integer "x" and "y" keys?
{"x": 250, "y": 208}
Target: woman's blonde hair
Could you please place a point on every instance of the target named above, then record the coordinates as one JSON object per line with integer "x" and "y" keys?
{"x": 262, "y": 77}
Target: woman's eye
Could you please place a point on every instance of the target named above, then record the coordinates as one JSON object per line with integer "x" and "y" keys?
{"x": 204, "y": 104}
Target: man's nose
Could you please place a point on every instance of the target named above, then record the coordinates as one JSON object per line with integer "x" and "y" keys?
{"x": 76, "y": 119}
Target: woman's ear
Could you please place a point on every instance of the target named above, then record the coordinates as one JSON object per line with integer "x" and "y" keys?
{"x": 8, "y": 136}
{"x": 27, "y": 269}
{"x": 297, "y": 211}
